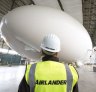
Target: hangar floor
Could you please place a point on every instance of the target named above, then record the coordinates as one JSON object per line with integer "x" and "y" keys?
{"x": 10, "y": 78}
{"x": 87, "y": 79}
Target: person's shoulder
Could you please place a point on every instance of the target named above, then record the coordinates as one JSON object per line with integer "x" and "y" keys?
{"x": 71, "y": 65}
{"x": 73, "y": 68}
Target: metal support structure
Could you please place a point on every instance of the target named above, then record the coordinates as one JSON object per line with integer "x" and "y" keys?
{"x": 13, "y": 1}
{"x": 3, "y": 4}
{"x": 89, "y": 13}
{"x": 60, "y": 4}
{"x": 2, "y": 43}
{"x": 23, "y": 2}
{"x": 16, "y": 4}
{"x": 8, "y": 2}
{"x": 32, "y": 2}
{"x": 9, "y": 48}
{"x": 2, "y": 12}
{"x": 89, "y": 18}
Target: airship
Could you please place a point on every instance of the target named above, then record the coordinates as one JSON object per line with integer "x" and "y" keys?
{"x": 23, "y": 29}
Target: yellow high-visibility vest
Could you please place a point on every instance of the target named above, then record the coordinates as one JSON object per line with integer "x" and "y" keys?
{"x": 51, "y": 76}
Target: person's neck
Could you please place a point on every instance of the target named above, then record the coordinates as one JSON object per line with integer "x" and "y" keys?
{"x": 52, "y": 58}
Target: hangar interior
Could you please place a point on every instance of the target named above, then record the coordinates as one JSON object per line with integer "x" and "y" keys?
{"x": 82, "y": 10}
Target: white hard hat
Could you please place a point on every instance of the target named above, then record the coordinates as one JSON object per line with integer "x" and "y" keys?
{"x": 51, "y": 43}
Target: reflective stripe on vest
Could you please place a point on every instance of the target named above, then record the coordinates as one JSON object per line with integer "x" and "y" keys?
{"x": 31, "y": 81}
{"x": 69, "y": 78}
{"x": 74, "y": 75}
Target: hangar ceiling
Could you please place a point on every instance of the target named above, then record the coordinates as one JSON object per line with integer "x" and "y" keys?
{"x": 82, "y": 10}
{"x": 89, "y": 18}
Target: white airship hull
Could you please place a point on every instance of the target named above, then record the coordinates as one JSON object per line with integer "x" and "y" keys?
{"x": 25, "y": 27}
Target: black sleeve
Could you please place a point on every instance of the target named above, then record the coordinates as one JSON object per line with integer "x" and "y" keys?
{"x": 23, "y": 86}
{"x": 75, "y": 89}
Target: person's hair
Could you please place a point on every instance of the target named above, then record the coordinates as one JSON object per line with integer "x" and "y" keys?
{"x": 52, "y": 57}
{"x": 48, "y": 53}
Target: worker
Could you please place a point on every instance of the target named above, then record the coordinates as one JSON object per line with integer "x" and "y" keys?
{"x": 49, "y": 75}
